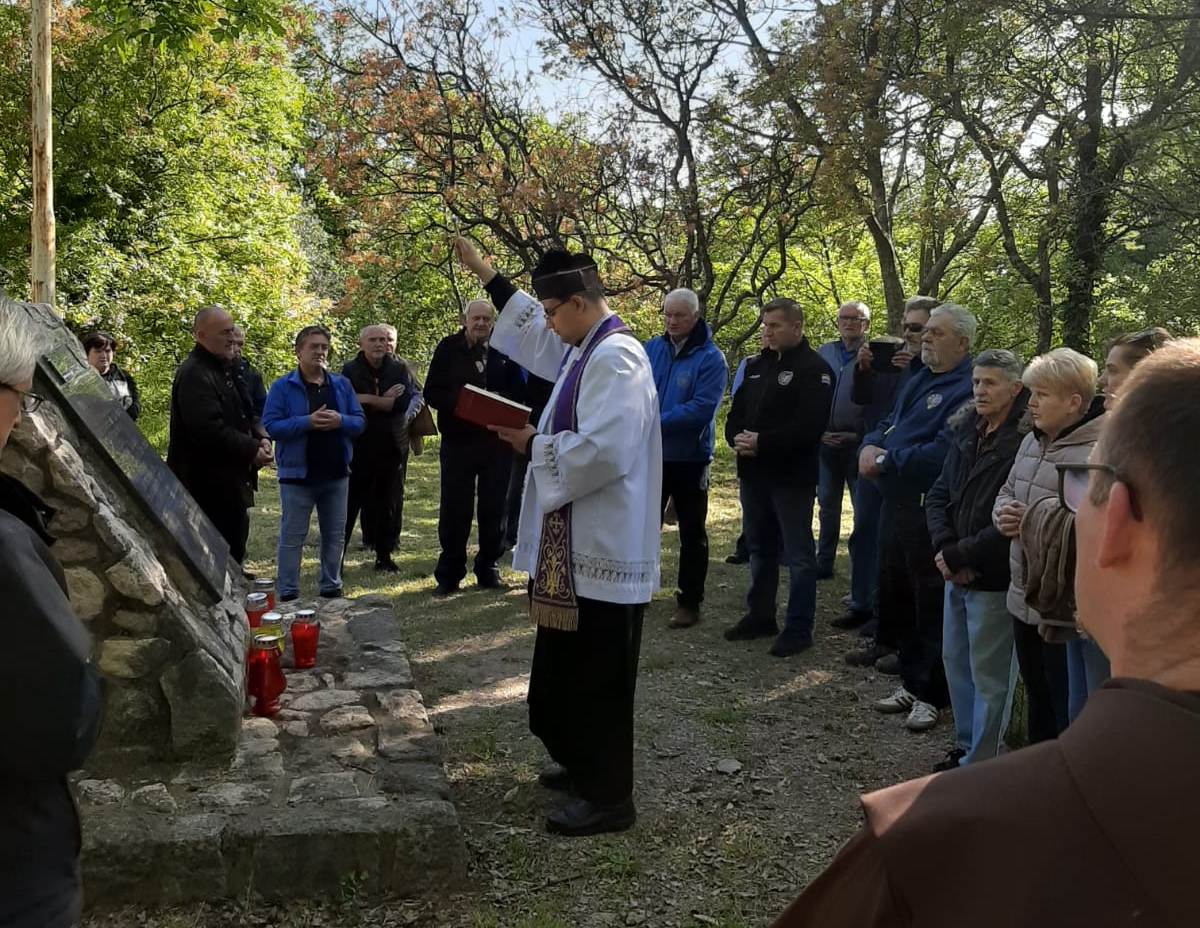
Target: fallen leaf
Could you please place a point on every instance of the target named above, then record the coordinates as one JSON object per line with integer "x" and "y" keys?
{"x": 728, "y": 766}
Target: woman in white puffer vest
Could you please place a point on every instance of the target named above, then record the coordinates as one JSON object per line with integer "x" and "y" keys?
{"x": 1065, "y": 420}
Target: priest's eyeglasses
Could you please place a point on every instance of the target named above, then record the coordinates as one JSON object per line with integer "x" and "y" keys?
{"x": 1073, "y": 481}
{"x": 29, "y": 401}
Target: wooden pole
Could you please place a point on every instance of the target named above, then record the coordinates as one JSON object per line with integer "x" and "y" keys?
{"x": 42, "y": 231}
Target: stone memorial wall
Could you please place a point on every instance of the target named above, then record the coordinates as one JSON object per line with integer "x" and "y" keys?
{"x": 147, "y": 572}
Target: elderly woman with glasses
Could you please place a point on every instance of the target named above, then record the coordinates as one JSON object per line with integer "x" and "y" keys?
{"x": 1065, "y": 411}
{"x": 49, "y": 691}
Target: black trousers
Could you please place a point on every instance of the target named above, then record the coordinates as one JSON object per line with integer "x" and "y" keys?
{"x": 516, "y": 493}
{"x": 377, "y": 492}
{"x": 1044, "y": 672}
{"x": 581, "y": 693}
{"x": 687, "y": 483}
{"x": 911, "y": 600}
{"x": 227, "y": 509}
{"x": 474, "y": 477}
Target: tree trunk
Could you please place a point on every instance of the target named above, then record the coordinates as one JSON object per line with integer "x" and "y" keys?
{"x": 1085, "y": 248}
{"x": 41, "y": 270}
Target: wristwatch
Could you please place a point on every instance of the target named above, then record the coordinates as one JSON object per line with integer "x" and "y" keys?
{"x": 880, "y": 458}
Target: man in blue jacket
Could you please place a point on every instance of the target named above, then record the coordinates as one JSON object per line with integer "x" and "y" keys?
{"x": 314, "y": 417}
{"x": 690, "y": 375}
{"x": 904, "y": 455}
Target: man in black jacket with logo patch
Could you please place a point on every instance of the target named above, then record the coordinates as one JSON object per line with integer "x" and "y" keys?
{"x": 213, "y": 448}
{"x": 470, "y": 454}
{"x": 775, "y": 427}
{"x": 972, "y": 555}
{"x": 390, "y": 398}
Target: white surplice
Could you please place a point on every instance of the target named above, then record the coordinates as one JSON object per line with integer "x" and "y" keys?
{"x": 610, "y": 469}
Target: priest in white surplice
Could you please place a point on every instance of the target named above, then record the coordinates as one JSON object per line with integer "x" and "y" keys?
{"x": 589, "y": 529}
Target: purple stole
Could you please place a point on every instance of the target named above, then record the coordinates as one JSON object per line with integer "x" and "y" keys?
{"x": 553, "y": 603}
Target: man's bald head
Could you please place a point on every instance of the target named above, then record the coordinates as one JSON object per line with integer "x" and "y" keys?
{"x": 214, "y": 331}
{"x": 478, "y": 319}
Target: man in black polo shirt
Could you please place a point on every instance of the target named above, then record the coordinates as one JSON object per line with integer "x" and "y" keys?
{"x": 390, "y": 398}
{"x": 469, "y": 453}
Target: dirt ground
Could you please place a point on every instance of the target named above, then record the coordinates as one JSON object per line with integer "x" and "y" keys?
{"x": 748, "y": 767}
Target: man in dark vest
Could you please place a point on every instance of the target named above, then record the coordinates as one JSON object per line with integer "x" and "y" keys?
{"x": 1097, "y": 827}
{"x": 390, "y": 398}
{"x": 212, "y": 447}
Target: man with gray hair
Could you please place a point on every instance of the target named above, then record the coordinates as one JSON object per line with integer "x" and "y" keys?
{"x": 690, "y": 374}
{"x": 390, "y": 398}
{"x": 839, "y": 444}
{"x": 972, "y": 556}
{"x": 904, "y": 455}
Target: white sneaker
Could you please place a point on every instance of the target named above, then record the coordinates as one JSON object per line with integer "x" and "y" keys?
{"x": 900, "y": 701}
{"x": 922, "y": 717}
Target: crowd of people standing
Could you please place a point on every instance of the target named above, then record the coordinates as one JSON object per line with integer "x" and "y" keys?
{"x": 1011, "y": 520}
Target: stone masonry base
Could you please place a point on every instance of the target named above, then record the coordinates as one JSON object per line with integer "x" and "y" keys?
{"x": 344, "y": 786}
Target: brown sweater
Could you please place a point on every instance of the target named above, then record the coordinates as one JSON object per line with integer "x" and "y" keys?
{"x": 1098, "y": 828}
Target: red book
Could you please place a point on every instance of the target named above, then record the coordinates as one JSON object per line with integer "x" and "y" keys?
{"x": 485, "y": 408}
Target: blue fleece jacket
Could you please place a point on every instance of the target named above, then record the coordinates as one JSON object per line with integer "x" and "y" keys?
{"x": 285, "y": 417}
{"x": 912, "y": 434}
{"x": 690, "y": 387}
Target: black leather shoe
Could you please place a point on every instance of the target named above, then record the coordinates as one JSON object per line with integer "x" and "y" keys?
{"x": 555, "y": 777}
{"x": 579, "y": 818}
{"x": 489, "y": 581}
{"x": 387, "y": 564}
{"x": 750, "y": 628}
{"x": 852, "y": 619}
{"x": 331, "y": 594}
{"x": 736, "y": 559}
{"x": 442, "y": 590}
{"x": 866, "y": 657}
{"x": 789, "y": 643}
{"x": 951, "y": 760}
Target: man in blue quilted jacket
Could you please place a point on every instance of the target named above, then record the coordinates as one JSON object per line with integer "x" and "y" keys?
{"x": 690, "y": 375}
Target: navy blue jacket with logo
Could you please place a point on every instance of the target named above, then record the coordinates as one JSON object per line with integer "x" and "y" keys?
{"x": 785, "y": 398}
{"x": 690, "y": 386}
{"x": 912, "y": 433}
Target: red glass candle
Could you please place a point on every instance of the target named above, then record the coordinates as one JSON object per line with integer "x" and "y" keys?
{"x": 306, "y": 630}
{"x": 256, "y": 605}
{"x": 266, "y": 585}
{"x": 265, "y": 681}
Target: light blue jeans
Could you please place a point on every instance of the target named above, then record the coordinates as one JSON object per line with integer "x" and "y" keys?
{"x": 981, "y": 668}
{"x": 1087, "y": 668}
{"x": 296, "y": 502}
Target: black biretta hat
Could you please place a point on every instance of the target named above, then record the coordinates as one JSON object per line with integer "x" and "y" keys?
{"x": 561, "y": 283}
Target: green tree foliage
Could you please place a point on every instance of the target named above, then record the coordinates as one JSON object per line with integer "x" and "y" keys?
{"x": 174, "y": 188}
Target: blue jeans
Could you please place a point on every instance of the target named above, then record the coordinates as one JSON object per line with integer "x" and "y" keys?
{"x": 776, "y": 515}
{"x": 981, "y": 668}
{"x": 1087, "y": 668}
{"x": 839, "y": 470}
{"x": 296, "y": 502}
{"x": 864, "y": 546}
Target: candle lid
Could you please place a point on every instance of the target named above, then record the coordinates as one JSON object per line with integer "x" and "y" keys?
{"x": 264, "y": 583}
{"x": 257, "y": 599}
{"x": 270, "y": 617}
{"x": 267, "y": 642}
{"x": 305, "y": 615}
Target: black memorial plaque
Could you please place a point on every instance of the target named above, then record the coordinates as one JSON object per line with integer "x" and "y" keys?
{"x": 65, "y": 377}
